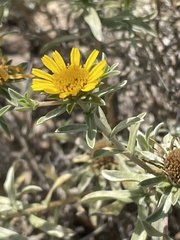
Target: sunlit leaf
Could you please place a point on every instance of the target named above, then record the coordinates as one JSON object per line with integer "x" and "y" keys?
{"x": 103, "y": 119}
{"x": 59, "y": 181}
{"x": 152, "y": 181}
{"x": 122, "y": 195}
{"x": 127, "y": 122}
{"x": 85, "y": 181}
{"x": 92, "y": 19}
{"x": 139, "y": 232}
{"x": 9, "y": 183}
{"x": 163, "y": 206}
{"x": 28, "y": 189}
{"x": 133, "y": 129}
{"x": 115, "y": 175}
{"x": 111, "y": 88}
{"x": 91, "y": 129}
{"x": 72, "y": 128}
{"x": 151, "y": 231}
{"x": 7, "y": 234}
{"x": 50, "y": 228}
{"x": 92, "y": 98}
{"x": 53, "y": 113}
{"x": 176, "y": 195}
{"x": 4, "y": 109}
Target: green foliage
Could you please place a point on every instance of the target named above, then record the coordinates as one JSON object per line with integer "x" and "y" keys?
{"x": 129, "y": 167}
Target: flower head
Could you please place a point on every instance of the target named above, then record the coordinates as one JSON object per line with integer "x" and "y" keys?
{"x": 10, "y": 72}
{"x": 68, "y": 79}
{"x": 172, "y": 166}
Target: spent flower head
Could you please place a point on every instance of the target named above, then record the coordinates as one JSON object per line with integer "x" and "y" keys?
{"x": 68, "y": 79}
{"x": 9, "y": 72}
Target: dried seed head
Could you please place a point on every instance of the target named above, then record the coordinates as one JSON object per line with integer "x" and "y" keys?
{"x": 172, "y": 166}
{"x": 105, "y": 162}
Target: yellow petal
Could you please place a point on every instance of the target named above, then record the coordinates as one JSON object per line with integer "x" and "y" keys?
{"x": 39, "y": 84}
{"x": 42, "y": 74}
{"x": 43, "y": 85}
{"x": 90, "y": 86}
{"x": 50, "y": 63}
{"x": 64, "y": 94}
{"x": 75, "y": 56}
{"x": 4, "y": 74}
{"x": 92, "y": 57}
{"x": 59, "y": 60}
{"x": 51, "y": 90}
{"x": 97, "y": 71}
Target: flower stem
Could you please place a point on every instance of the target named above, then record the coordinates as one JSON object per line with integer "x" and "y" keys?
{"x": 49, "y": 103}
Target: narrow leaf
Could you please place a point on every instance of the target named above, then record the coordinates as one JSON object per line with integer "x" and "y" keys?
{"x": 6, "y": 234}
{"x": 59, "y": 181}
{"x": 92, "y": 19}
{"x": 9, "y": 183}
{"x": 127, "y": 122}
{"x": 72, "y": 128}
{"x": 92, "y": 130}
{"x": 103, "y": 119}
{"x": 4, "y": 126}
{"x": 151, "y": 231}
{"x": 115, "y": 175}
{"x": 53, "y": 113}
{"x": 50, "y": 228}
{"x": 132, "y": 137}
{"x": 4, "y": 109}
{"x": 122, "y": 195}
{"x": 28, "y": 189}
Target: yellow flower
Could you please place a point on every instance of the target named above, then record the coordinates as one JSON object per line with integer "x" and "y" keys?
{"x": 68, "y": 79}
{"x": 3, "y": 75}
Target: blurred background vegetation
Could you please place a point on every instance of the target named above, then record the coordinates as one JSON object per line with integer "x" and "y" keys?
{"x": 144, "y": 38}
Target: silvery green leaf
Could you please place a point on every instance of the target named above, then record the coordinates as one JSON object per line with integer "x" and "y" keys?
{"x": 103, "y": 119}
{"x": 151, "y": 156}
{"x": 59, "y": 181}
{"x": 176, "y": 195}
{"x": 7, "y": 234}
{"x": 28, "y": 189}
{"x": 4, "y": 109}
{"x": 133, "y": 129}
{"x": 91, "y": 130}
{"x": 50, "y": 228}
{"x": 85, "y": 181}
{"x": 127, "y": 122}
{"x": 92, "y": 19}
{"x": 53, "y": 113}
{"x": 122, "y": 195}
{"x": 115, "y": 175}
{"x": 9, "y": 183}
{"x": 163, "y": 206}
{"x": 139, "y": 232}
{"x": 111, "y": 88}
{"x": 152, "y": 181}
{"x": 72, "y": 128}
{"x": 151, "y": 231}
{"x": 155, "y": 132}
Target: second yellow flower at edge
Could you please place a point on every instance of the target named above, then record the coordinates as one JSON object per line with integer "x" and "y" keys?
{"x": 68, "y": 79}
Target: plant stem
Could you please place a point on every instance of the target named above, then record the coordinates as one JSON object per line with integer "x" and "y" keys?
{"x": 120, "y": 146}
{"x": 49, "y": 103}
{"x": 107, "y": 132}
